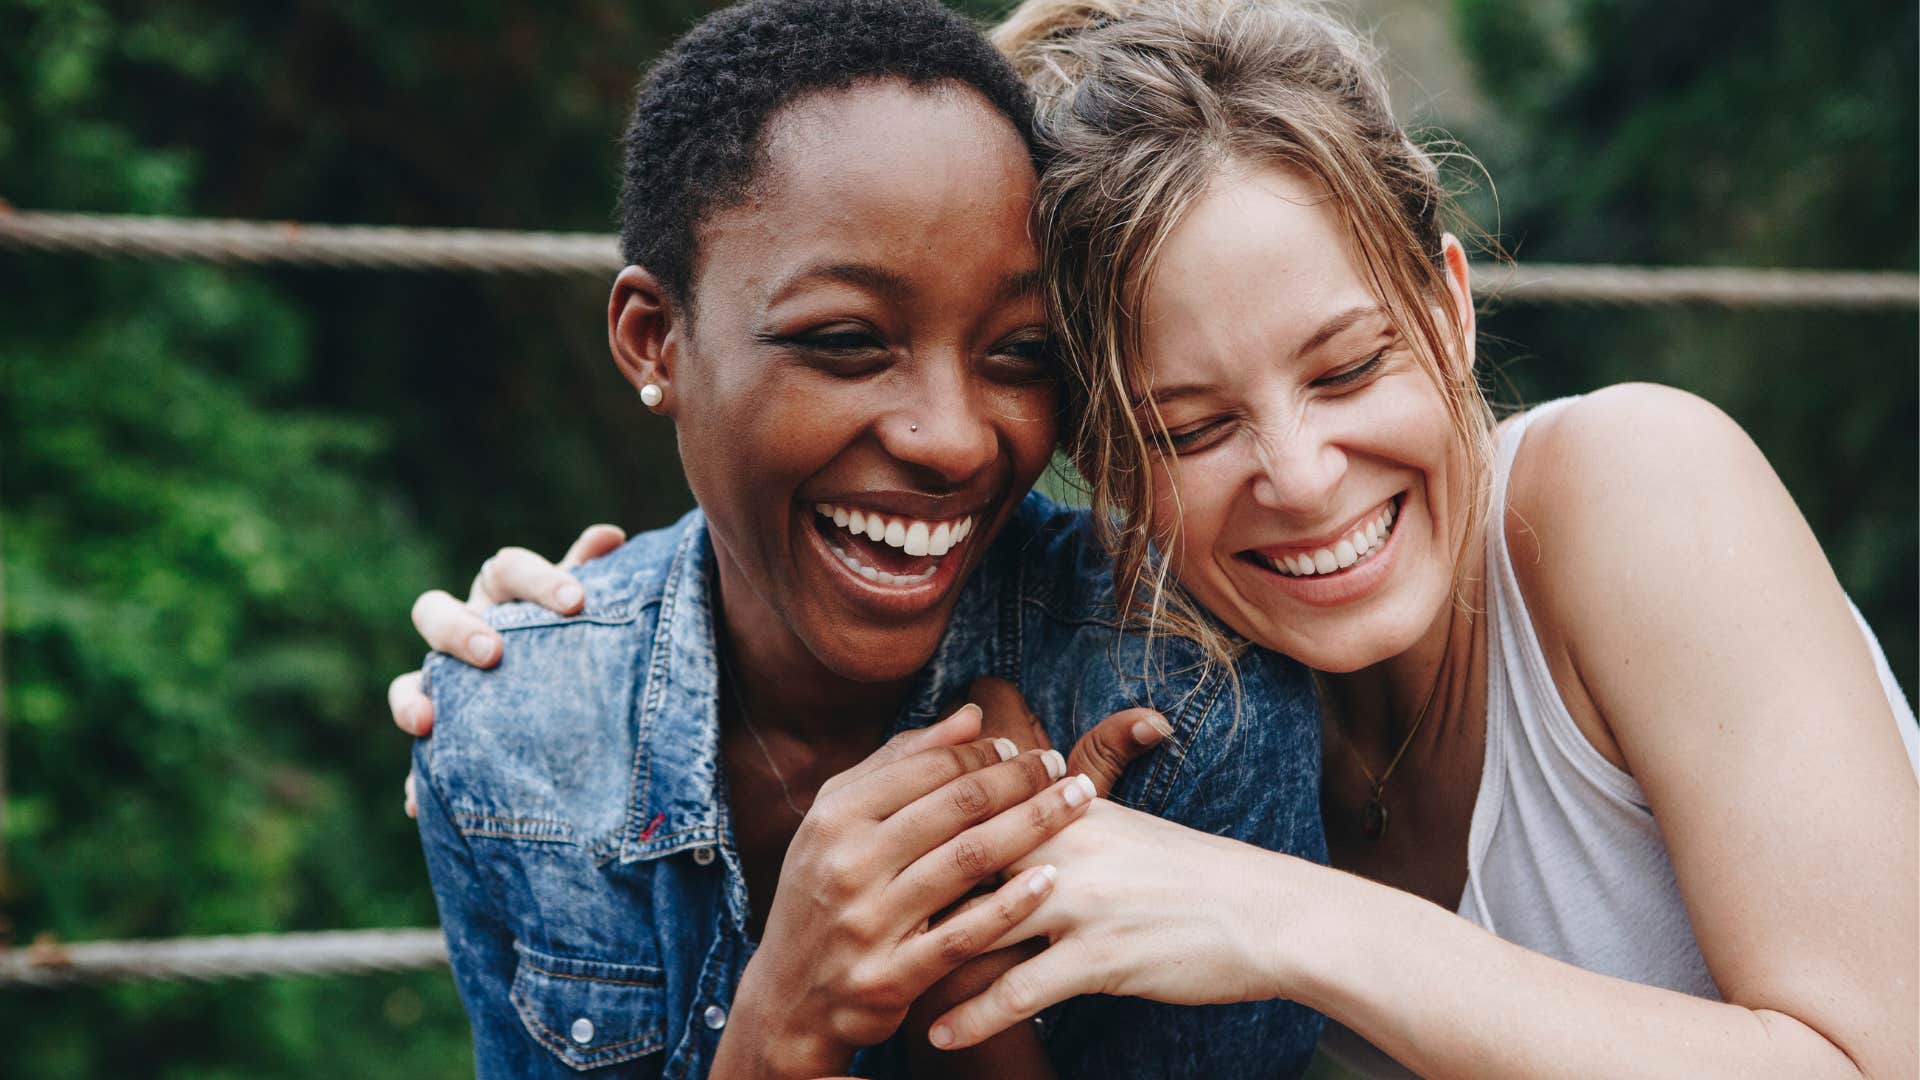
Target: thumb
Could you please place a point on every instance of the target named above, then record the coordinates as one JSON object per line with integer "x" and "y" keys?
{"x": 1005, "y": 713}
{"x": 1114, "y": 743}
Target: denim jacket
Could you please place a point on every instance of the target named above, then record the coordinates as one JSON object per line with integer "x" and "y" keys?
{"x": 573, "y": 810}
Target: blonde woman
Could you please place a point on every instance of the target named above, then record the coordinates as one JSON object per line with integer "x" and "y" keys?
{"x": 1614, "y": 776}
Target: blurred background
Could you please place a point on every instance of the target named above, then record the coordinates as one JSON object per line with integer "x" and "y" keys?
{"x": 221, "y": 488}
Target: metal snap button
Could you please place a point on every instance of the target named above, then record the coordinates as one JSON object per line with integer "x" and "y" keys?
{"x": 715, "y": 1016}
{"x": 703, "y": 855}
{"x": 582, "y": 1031}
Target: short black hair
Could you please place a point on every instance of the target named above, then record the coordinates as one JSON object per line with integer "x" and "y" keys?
{"x": 694, "y": 143}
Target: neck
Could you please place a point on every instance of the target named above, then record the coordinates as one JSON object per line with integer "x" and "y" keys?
{"x": 784, "y": 686}
{"x": 1377, "y": 707}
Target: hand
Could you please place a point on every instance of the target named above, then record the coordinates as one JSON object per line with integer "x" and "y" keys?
{"x": 1103, "y": 755}
{"x": 459, "y": 630}
{"x": 885, "y": 846}
{"x": 1146, "y": 908}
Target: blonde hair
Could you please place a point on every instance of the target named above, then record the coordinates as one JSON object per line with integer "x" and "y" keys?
{"x": 1141, "y": 105}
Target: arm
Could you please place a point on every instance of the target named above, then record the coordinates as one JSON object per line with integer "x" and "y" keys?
{"x": 479, "y": 941}
{"x": 1712, "y": 638}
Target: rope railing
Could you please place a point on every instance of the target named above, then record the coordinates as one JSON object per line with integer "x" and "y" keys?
{"x": 355, "y": 952}
{"x": 500, "y": 252}
{"x": 47, "y": 965}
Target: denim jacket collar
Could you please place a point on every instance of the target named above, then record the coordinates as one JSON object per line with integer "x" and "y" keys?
{"x": 676, "y": 800}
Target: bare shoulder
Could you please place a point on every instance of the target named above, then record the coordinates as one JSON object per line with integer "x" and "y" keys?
{"x": 1634, "y": 464}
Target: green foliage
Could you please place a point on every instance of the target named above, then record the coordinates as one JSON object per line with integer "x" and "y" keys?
{"x": 1713, "y": 132}
{"x": 220, "y": 489}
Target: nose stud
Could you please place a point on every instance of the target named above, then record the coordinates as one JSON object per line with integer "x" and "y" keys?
{"x": 913, "y": 427}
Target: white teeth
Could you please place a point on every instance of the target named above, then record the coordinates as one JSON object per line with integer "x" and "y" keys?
{"x": 915, "y": 538}
{"x": 1362, "y": 542}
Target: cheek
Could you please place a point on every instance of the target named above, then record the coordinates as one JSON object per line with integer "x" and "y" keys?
{"x": 1029, "y": 421}
{"x": 1194, "y": 496}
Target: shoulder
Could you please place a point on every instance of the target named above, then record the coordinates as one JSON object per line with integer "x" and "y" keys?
{"x": 1643, "y": 519}
{"x": 541, "y": 745}
{"x": 1055, "y": 553}
{"x": 1629, "y": 465}
{"x": 620, "y": 583}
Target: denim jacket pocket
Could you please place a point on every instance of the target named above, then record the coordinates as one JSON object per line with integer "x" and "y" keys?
{"x": 590, "y": 1013}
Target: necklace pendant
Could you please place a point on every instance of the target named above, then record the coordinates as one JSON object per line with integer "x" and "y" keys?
{"x": 1375, "y": 820}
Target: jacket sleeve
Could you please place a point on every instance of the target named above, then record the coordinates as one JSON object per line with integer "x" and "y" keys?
{"x": 479, "y": 941}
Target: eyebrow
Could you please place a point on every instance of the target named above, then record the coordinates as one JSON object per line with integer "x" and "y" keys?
{"x": 1329, "y": 330}
{"x": 859, "y": 275}
{"x": 889, "y": 285}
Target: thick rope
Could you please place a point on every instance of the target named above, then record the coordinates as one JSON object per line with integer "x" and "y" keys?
{"x": 483, "y": 251}
{"x": 336, "y": 952}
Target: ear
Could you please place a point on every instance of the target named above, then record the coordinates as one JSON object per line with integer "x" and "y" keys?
{"x": 1460, "y": 289}
{"x": 645, "y": 332}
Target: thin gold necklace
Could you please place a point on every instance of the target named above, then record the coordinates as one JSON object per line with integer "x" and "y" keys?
{"x": 1373, "y": 821}
{"x": 746, "y": 721}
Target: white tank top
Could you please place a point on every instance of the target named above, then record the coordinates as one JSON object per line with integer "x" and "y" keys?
{"x": 1563, "y": 854}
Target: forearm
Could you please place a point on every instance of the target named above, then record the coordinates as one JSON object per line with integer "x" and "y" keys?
{"x": 1447, "y": 998}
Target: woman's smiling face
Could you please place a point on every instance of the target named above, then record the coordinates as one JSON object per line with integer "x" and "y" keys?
{"x": 1319, "y": 484}
{"x": 862, "y": 390}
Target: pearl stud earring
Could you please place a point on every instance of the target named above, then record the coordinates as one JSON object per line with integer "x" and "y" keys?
{"x": 651, "y": 396}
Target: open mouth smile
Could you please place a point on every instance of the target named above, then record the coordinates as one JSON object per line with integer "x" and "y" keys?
{"x": 891, "y": 551}
{"x": 1340, "y": 568}
{"x": 1356, "y": 545}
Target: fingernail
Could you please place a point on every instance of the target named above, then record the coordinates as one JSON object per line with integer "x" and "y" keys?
{"x": 1146, "y": 734}
{"x": 1005, "y": 748}
{"x": 1043, "y": 880}
{"x": 1056, "y": 765}
{"x": 1078, "y": 791}
{"x": 568, "y": 595}
{"x": 480, "y": 646}
{"x": 411, "y": 714}
{"x": 941, "y": 1036}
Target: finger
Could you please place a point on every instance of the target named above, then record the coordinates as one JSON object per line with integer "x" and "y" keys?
{"x": 943, "y": 875}
{"x": 884, "y": 792}
{"x": 970, "y": 798}
{"x": 962, "y": 725}
{"x": 1006, "y": 714}
{"x": 594, "y": 541}
{"x": 1105, "y": 752}
{"x": 971, "y": 932}
{"x": 519, "y": 574}
{"x": 1058, "y": 973}
{"x": 412, "y": 711}
{"x": 411, "y": 805}
{"x": 452, "y": 627}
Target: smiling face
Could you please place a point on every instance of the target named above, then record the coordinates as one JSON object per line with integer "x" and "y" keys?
{"x": 1320, "y": 487}
{"x": 861, "y": 390}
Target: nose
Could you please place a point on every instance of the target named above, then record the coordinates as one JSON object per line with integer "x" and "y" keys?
{"x": 1300, "y": 468}
{"x": 942, "y": 425}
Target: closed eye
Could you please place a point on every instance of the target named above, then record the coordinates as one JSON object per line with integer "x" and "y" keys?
{"x": 842, "y": 350}
{"x": 1198, "y": 437}
{"x": 1353, "y": 375}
